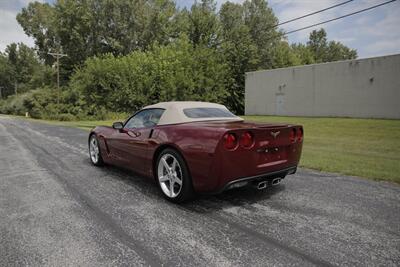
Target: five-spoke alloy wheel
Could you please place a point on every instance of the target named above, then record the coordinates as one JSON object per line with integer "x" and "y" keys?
{"x": 173, "y": 176}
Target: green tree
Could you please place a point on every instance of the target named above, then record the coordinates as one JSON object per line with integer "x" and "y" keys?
{"x": 21, "y": 69}
{"x": 325, "y": 51}
{"x": 304, "y": 53}
{"x": 239, "y": 50}
{"x": 38, "y": 21}
{"x": 203, "y": 27}
{"x": 337, "y": 51}
{"x": 248, "y": 40}
{"x": 177, "y": 71}
{"x": 86, "y": 28}
{"x": 23, "y": 61}
{"x": 318, "y": 44}
{"x": 6, "y": 74}
{"x": 261, "y": 20}
{"x": 284, "y": 56}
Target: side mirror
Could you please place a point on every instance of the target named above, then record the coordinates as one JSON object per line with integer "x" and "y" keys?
{"x": 118, "y": 125}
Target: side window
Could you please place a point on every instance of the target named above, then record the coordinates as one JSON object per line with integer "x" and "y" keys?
{"x": 145, "y": 118}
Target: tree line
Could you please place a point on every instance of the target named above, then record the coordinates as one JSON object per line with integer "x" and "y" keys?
{"x": 122, "y": 55}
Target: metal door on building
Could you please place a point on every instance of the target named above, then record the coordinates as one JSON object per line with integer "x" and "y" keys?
{"x": 280, "y": 104}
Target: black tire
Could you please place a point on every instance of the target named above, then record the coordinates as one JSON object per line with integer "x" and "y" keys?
{"x": 186, "y": 191}
{"x": 95, "y": 155}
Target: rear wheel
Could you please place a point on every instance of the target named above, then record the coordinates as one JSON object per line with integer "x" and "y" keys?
{"x": 173, "y": 176}
{"x": 94, "y": 151}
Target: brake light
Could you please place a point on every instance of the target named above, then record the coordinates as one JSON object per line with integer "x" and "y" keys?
{"x": 247, "y": 140}
{"x": 230, "y": 141}
{"x": 292, "y": 136}
{"x": 300, "y": 135}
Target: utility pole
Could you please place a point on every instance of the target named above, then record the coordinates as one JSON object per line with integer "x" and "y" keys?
{"x": 57, "y": 56}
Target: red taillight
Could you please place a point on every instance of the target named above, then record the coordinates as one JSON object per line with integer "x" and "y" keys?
{"x": 292, "y": 136}
{"x": 247, "y": 140}
{"x": 230, "y": 141}
{"x": 300, "y": 135}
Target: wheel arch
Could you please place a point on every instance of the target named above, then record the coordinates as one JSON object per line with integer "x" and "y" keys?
{"x": 90, "y": 136}
{"x": 158, "y": 151}
{"x": 103, "y": 146}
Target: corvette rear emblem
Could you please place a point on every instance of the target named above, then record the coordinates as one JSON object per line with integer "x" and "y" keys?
{"x": 275, "y": 134}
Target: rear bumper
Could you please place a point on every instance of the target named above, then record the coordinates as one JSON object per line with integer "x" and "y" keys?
{"x": 258, "y": 178}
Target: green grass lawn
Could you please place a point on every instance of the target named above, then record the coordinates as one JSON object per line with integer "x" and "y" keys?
{"x": 362, "y": 147}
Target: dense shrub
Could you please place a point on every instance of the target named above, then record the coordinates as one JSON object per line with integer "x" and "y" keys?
{"x": 42, "y": 104}
{"x": 13, "y": 105}
{"x": 178, "y": 71}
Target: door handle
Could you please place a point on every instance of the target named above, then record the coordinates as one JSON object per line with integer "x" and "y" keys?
{"x": 133, "y": 134}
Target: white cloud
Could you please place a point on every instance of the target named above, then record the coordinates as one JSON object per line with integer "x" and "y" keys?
{"x": 382, "y": 46}
{"x": 372, "y": 33}
{"x": 294, "y": 9}
{"x": 11, "y": 31}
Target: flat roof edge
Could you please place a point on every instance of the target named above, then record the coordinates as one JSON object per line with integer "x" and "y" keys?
{"x": 325, "y": 63}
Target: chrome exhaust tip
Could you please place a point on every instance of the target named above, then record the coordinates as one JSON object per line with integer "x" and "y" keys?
{"x": 276, "y": 181}
{"x": 262, "y": 185}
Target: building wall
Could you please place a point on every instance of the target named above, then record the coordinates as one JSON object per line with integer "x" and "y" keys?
{"x": 364, "y": 88}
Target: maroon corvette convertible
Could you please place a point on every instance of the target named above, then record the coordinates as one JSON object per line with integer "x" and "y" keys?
{"x": 193, "y": 147}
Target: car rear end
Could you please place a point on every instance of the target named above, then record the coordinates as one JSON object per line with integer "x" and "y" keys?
{"x": 260, "y": 154}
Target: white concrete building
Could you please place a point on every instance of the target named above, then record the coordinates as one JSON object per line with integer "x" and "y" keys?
{"x": 363, "y": 88}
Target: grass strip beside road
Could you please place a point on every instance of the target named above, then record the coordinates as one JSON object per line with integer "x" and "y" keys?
{"x": 361, "y": 147}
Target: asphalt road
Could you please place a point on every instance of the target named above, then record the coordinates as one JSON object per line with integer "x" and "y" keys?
{"x": 58, "y": 209}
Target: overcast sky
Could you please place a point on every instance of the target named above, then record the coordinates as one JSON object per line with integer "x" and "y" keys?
{"x": 372, "y": 33}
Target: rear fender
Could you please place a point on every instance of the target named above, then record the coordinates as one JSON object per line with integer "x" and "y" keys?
{"x": 197, "y": 145}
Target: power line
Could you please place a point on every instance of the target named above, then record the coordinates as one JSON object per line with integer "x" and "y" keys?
{"x": 313, "y": 13}
{"x": 341, "y": 17}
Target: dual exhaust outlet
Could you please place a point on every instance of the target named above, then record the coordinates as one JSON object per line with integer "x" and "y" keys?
{"x": 262, "y": 185}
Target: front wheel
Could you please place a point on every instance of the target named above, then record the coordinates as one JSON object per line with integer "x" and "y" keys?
{"x": 173, "y": 176}
{"x": 94, "y": 151}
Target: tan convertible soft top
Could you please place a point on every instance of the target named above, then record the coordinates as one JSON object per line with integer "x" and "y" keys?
{"x": 174, "y": 112}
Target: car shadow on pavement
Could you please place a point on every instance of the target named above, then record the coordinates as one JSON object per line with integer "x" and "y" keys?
{"x": 145, "y": 185}
{"x": 239, "y": 197}
{"x": 244, "y": 196}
